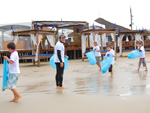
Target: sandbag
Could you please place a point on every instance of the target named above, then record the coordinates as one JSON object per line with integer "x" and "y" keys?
{"x": 106, "y": 64}
{"x": 134, "y": 54}
{"x": 5, "y": 74}
{"x": 52, "y": 63}
{"x": 91, "y": 57}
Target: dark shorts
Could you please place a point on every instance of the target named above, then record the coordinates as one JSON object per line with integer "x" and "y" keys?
{"x": 110, "y": 68}
{"x": 142, "y": 61}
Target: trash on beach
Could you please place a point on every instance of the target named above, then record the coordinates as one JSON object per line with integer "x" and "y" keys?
{"x": 52, "y": 63}
{"x": 134, "y": 54}
{"x": 91, "y": 57}
{"x": 106, "y": 64}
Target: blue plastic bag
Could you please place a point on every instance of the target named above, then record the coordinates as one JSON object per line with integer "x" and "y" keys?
{"x": 91, "y": 57}
{"x": 106, "y": 64}
{"x": 134, "y": 54}
{"x": 5, "y": 74}
{"x": 52, "y": 63}
{"x": 66, "y": 63}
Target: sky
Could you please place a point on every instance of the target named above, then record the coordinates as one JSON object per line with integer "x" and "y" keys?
{"x": 115, "y": 11}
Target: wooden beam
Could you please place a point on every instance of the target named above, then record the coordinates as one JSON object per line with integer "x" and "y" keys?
{"x": 115, "y": 45}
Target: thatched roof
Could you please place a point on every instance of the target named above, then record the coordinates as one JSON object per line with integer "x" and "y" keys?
{"x": 109, "y": 25}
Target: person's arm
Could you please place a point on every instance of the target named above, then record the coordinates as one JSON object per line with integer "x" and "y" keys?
{"x": 140, "y": 50}
{"x": 60, "y": 58}
{"x": 8, "y": 60}
{"x": 98, "y": 50}
{"x": 59, "y": 55}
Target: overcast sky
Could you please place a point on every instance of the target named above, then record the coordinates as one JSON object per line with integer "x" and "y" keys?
{"x": 115, "y": 11}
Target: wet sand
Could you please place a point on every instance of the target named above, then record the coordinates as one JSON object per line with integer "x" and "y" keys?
{"x": 88, "y": 90}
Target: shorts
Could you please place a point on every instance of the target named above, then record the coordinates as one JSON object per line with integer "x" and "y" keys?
{"x": 110, "y": 68}
{"x": 97, "y": 59}
{"x": 142, "y": 61}
{"x": 12, "y": 80}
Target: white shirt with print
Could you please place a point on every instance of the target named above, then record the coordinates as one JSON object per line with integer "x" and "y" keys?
{"x": 143, "y": 52}
{"x": 111, "y": 53}
{"x": 14, "y": 68}
{"x": 59, "y": 46}
{"x": 95, "y": 48}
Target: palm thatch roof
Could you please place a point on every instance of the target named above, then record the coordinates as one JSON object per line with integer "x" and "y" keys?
{"x": 109, "y": 25}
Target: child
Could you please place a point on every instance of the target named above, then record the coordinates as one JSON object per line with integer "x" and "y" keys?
{"x": 14, "y": 71}
{"x": 110, "y": 52}
{"x": 97, "y": 54}
{"x": 142, "y": 58}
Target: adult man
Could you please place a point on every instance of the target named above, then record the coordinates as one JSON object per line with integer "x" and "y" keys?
{"x": 59, "y": 61}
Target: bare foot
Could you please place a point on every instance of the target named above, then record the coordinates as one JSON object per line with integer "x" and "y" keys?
{"x": 18, "y": 98}
{"x": 137, "y": 70}
{"x": 13, "y": 100}
{"x": 62, "y": 87}
{"x": 57, "y": 87}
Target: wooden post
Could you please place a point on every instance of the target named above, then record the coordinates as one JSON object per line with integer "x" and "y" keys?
{"x": 120, "y": 48}
{"x": 82, "y": 49}
{"x": 115, "y": 45}
{"x": 135, "y": 42}
{"x": 37, "y": 39}
{"x": 132, "y": 39}
{"x": 143, "y": 39}
{"x": 102, "y": 45}
{"x": 88, "y": 38}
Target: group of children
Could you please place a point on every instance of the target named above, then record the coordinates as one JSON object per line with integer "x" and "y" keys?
{"x": 111, "y": 52}
{"x": 14, "y": 70}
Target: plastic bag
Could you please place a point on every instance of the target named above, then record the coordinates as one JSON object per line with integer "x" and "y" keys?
{"x": 91, "y": 57}
{"x": 5, "y": 74}
{"x": 134, "y": 54}
{"x": 106, "y": 64}
{"x": 52, "y": 63}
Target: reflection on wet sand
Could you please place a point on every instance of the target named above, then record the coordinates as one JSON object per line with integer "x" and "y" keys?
{"x": 94, "y": 85}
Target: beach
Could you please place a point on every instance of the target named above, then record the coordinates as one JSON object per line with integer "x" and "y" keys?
{"x": 88, "y": 90}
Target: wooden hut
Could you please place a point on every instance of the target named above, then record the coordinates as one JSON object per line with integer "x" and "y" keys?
{"x": 35, "y": 49}
{"x": 100, "y": 32}
{"x": 133, "y": 42}
{"x": 73, "y": 49}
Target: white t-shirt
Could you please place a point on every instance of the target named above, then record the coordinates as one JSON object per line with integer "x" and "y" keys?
{"x": 95, "y": 48}
{"x": 59, "y": 46}
{"x": 111, "y": 53}
{"x": 14, "y": 68}
{"x": 143, "y": 52}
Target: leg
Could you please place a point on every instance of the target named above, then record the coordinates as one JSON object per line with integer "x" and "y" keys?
{"x": 140, "y": 61}
{"x": 98, "y": 62}
{"x": 144, "y": 65}
{"x": 110, "y": 70}
{"x": 61, "y": 77}
{"x": 99, "y": 66}
{"x": 57, "y": 75}
{"x": 16, "y": 95}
